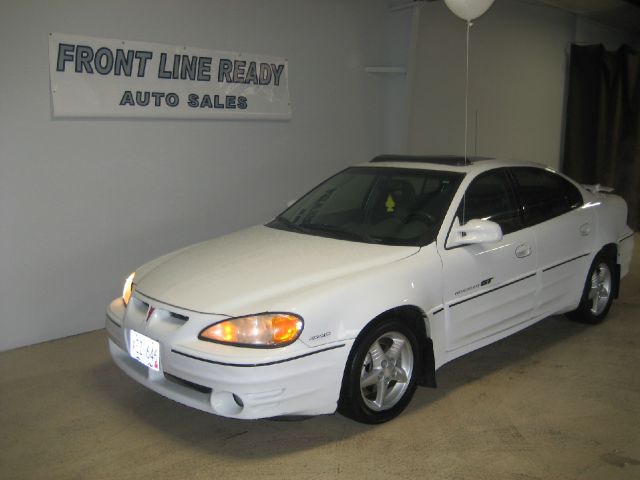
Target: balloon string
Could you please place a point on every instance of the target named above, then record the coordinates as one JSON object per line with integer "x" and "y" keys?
{"x": 466, "y": 96}
{"x": 466, "y": 120}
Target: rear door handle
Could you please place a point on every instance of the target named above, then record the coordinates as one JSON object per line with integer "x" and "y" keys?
{"x": 585, "y": 229}
{"x": 523, "y": 250}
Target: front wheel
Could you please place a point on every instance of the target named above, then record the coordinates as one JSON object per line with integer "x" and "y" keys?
{"x": 380, "y": 375}
{"x": 597, "y": 295}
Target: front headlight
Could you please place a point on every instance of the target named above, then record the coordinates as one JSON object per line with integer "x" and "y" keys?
{"x": 128, "y": 288}
{"x": 264, "y": 330}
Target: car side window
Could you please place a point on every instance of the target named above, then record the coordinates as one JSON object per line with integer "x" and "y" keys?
{"x": 544, "y": 194}
{"x": 489, "y": 197}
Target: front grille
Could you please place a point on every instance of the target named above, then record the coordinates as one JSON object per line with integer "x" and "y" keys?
{"x": 184, "y": 318}
{"x": 140, "y": 310}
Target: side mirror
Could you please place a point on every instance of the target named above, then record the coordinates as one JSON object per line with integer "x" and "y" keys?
{"x": 474, "y": 231}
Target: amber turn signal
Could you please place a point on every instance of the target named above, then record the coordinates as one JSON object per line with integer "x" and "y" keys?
{"x": 128, "y": 288}
{"x": 262, "y": 330}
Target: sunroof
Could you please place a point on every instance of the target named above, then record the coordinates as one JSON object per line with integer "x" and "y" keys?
{"x": 454, "y": 160}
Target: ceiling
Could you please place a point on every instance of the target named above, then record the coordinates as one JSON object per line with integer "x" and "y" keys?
{"x": 623, "y": 14}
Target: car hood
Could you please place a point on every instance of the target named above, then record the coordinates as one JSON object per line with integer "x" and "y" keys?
{"x": 238, "y": 273}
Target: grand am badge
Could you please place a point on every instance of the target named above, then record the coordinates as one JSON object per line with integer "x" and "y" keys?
{"x": 483, "y": 283}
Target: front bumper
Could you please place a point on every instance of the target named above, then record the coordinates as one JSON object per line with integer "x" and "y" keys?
{"x": 270, "y": 383}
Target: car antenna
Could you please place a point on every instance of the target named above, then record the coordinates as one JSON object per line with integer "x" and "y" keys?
{"x": 475, "y": 146}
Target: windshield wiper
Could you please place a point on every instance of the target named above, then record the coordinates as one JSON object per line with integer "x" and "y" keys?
{"x": 332, "y": 229}
{"x": 322, "y": 228}
{"x": 288, "y": 224}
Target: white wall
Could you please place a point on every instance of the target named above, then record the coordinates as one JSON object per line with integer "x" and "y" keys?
{"x": 518, "y": 65}
{"x": 398, "y": 38}
{"x": 83, "y": 202}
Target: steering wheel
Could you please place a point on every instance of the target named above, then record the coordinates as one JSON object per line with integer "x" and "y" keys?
{"x": 421, "y": 216}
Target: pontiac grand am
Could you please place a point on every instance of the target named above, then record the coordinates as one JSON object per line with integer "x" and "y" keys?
{"x": 365, "y": 286}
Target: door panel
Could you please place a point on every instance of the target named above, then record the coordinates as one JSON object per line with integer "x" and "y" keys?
{"x": 563, "y": 228}
{"x": 488, "y": 288}
{"x": 563, "y": 256}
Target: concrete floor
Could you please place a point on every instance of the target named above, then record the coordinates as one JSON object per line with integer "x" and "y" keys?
{"x": 557, "y": 401}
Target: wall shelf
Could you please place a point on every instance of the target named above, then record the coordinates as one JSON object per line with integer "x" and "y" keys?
{"x": 387, "y": 70}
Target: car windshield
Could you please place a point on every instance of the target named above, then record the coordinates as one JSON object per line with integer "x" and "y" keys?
{"x": 392, "y": 206}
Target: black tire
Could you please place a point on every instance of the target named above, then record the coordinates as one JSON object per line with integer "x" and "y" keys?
{"x": 592, "y": 310}
{"x": 358, "y": 402}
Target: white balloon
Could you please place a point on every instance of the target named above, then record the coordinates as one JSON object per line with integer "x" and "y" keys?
{"x": 468, "y": 9}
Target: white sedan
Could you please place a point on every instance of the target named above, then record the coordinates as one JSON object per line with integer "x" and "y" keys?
{"x": 369, "y": 283}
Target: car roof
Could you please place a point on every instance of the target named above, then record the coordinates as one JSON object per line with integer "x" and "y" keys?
{"x": 454, "y": 163}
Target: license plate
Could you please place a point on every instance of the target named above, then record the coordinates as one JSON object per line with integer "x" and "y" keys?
{"x": 144, "y": 349}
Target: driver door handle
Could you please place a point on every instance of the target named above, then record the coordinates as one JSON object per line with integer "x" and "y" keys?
{"x": 523, "y": 250}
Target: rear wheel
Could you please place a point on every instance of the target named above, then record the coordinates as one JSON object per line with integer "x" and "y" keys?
{"x": 597, "y": 295}
{"x": 380, "y": 376}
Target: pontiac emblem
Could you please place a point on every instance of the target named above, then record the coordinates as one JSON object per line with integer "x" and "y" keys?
{"x": 150, "y": 311}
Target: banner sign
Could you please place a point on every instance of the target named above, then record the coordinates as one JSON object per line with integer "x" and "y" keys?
{"x": 97, "y": 77}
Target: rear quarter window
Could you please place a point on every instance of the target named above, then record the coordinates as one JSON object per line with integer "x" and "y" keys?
{"x": 544, "y": 194}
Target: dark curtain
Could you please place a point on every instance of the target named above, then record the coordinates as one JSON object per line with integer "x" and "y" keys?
{"x": 602, "y": 132}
